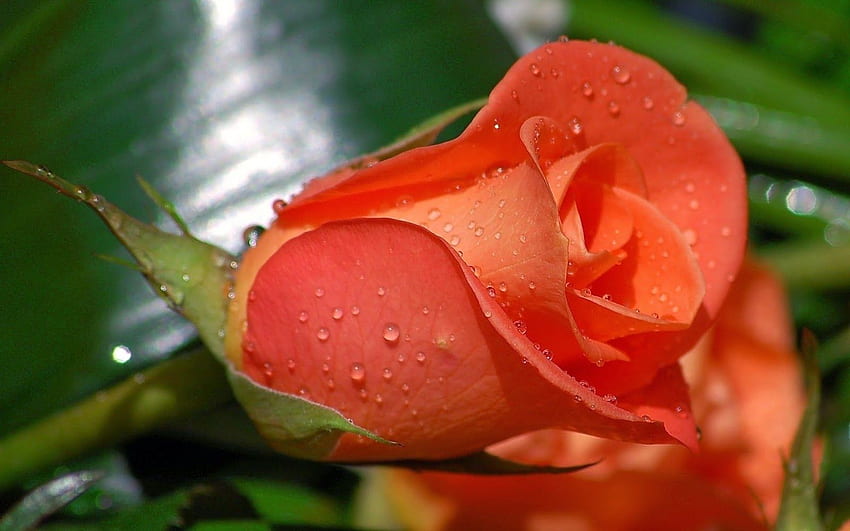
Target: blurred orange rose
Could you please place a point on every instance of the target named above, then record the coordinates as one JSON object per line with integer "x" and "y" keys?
{"x": 747, "y": 398}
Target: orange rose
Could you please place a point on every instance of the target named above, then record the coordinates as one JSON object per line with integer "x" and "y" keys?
{"x": 748, "y": 399}
{"x": 546, "y": 269}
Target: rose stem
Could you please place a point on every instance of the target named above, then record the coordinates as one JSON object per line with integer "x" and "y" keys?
{"x": 150, "y": 399}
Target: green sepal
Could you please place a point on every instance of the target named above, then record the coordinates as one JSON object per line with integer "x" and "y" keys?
{"x": 192, "y": 276}
{"x": 799, "y": 509}
{"x": 484, "y": 464}
{"x": 420, "y": 135}
{"x": 291, "y": 424}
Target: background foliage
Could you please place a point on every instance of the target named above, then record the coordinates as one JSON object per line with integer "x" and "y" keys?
{"x": 225, "y": 106}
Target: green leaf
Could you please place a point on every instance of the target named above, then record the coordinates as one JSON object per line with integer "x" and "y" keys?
{"x": 483, "y": 463}
{"x": 47, "y": 499}
{"x": 799, "y": 509}
{"x": 291, "y": 424}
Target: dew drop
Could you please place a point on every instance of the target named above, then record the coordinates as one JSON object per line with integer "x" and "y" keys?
{"x": 503, "y": 287}
{"x": 610, "y": 398}
{"x": 690, "y": 187}
{"x": 303, "y": 316}
{"x": 320, "y": 292}
{"x": 363, "y": 394}
{"x": 420, "y": 357}
{"x": 621, "y": 74}
{"x": 355, "y": 310}
{"x": 531, "y": 285}
{"x": 496, "y": 125}
{"x": 278, "y": 205}
{"x": 488, "y": 314}
{"x": 405, "y": 388}
{"x": 613, "y": 108}
{"x": 448, "y": 227}
{"x": 331, "y": 384}
{"x": 587, "y": 89}
{"x": 378, "y": 398}
{"x": 425, "y": 310}
{"x": 678, "y": 118}
{"x": 693, "y": 204}
{"x": 535, "y": 70}
{"x": 325, "y": 368}
{"x": 479, "y": 231}
{"x": 554, "y": 72}
{"x": 648, "y": 104}
{"x": 690, "y": 236}
{"x": 290, "y": 364}
{"x": 388, "y": 374}
{"x": 357, "y": 373}
{"x": 515, "y": 96}
{"x": 725, "y": 231}
{"x": 491, "y": 291}
{"x": 434, "y": 213}
{"x": 252, "y": 234}
{"x": 497, "y": 235}
{"x": 267, "y": 369}
{"x": 381, "y": 291}
{"x": 337, "y": 314}
{"x": 391, "y": 333}
{"x": 521, "y": 327}
{"x": 523, "y": 238}
{"x": 323, "y": 334}
{"x": 455, "y": 240}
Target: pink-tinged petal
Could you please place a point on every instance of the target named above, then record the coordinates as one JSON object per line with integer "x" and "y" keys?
{"x": 383, "y": 322}
{"x": 666, "y": 399}
{"x": 659, "y": 275}
{"x": 693, "y": 174}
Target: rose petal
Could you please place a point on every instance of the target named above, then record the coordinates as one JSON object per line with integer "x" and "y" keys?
{"x": 692, "y": 172}
{"x": 479, "y": 376}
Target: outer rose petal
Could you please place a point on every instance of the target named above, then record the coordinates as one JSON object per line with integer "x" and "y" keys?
{"x": 418, "y": 361}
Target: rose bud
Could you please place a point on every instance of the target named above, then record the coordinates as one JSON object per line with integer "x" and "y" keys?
{"x": 545, "y": 269}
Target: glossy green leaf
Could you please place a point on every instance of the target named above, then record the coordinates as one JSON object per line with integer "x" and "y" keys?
{"x": 222, "y": 107}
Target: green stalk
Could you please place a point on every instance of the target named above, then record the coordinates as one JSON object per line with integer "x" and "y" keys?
{"x": 810, "y": 264}
{"x": 151, "y": 399}
{"x": 706, "y": 61}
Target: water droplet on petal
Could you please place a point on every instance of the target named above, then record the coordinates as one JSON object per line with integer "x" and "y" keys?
{"x": 535, "y": 70}
{"x": 278, "y": 205}
{"x": 448, "y": 227}
{"x": 648, "y": 104}
{"x": 357, "y": 373}
{"x": 433, "y": 214}
{"x": 323, "y": 334}
{"x": 678, "y": 118}
{"x": 337, "y": 314}
{"x": 532, "y": 285}
{"x": 391, "y": 333}
{"x": 613, "y": 108}
{"x": 303, "y": 316}
{"x": 587, "y": 89}
{"x": 355, "y": 310}
{"x": 725, "y": 231}
{"x": 420, "y": 357}
{"x": 621, "y": 74}
{"x": 381, "y": 291}
{"x": 690, "y": 236}
{"x": 514, "y": 95}
{"x": 388, "y": 374}
{"x": 320, "y": 292}
{"x": 521, "y": 327}
{"x": 693, "y": 204}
